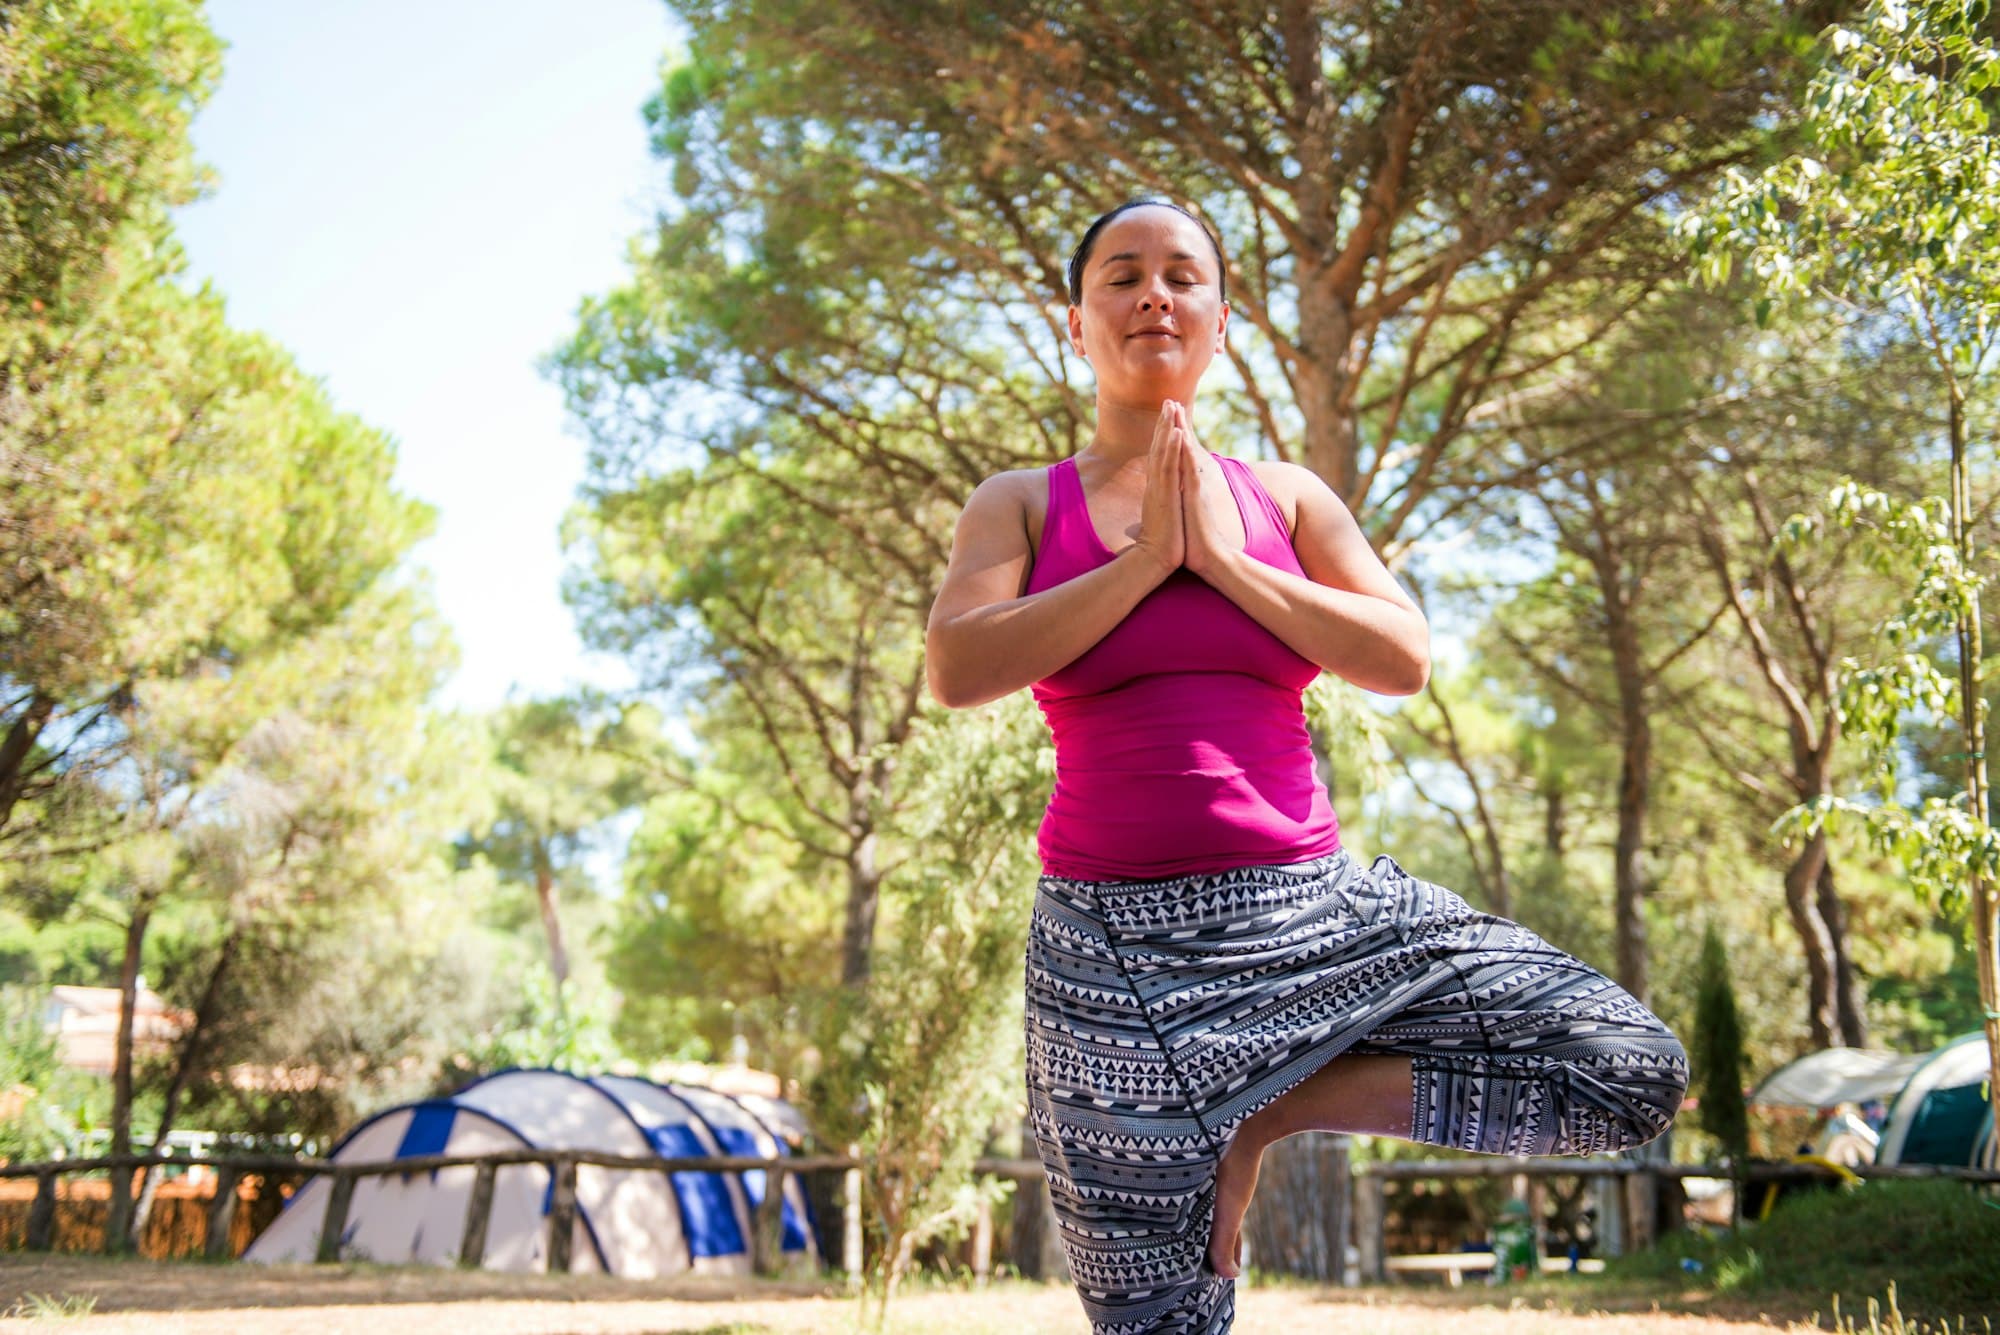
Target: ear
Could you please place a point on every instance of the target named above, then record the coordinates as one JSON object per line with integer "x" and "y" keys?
{"x": 1222, "y": 326}
{"x": 1076, "y": 332}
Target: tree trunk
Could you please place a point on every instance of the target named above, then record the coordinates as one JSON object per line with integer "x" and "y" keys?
{"x": 545, "y": 895}
{"x": 864, "y": 895}
{"x": 118, "y": 1229}
{"x": 20, "y": 740}
{"x": 1628, "y": 871}
{"x": 1802, "y": 903}
{"x": 1982, "y": 892}
{"x": 1850, "y": 998}
{"x": 1331, "y": 440}
{"x": 190, "y": 1054}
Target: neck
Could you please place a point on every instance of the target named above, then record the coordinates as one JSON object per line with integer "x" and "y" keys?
{"x": 1124, "y": 433}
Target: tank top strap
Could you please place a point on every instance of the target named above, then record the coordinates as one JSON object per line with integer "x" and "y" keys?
{"x": 1069, "y": 545}
{"x": 1263, "y": 521}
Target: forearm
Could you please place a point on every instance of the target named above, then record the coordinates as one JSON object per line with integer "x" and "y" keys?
{"x": 1377, "y": 644}
{"x": 995, "y": 650}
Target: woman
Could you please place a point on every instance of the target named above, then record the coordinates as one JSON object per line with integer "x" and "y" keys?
{"x": 1208, "y": 971}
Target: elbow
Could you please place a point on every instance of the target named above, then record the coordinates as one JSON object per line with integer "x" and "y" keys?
{"x": 947, "y": 688}
{"x": 1412, "y": 671}
{"x": 1404, "y": 678}
{"x": 946, "y": 692}
{"x": 1415, "y": 676}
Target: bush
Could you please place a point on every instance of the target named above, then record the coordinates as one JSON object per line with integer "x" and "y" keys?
{"x": 41, "y": 1102}
{"x": 1934, "y": 1242}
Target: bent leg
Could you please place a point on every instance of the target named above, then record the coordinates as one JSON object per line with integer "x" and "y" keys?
{"x": 1501, "y": 1044}
{"x": 1364, "y": 1095}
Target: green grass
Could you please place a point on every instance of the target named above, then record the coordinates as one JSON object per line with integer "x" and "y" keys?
{"x": 49, "y": 1307}
{"x": 1935, "y": 1244}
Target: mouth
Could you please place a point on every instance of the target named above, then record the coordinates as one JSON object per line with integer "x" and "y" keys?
{"x": 1155, "y": 333}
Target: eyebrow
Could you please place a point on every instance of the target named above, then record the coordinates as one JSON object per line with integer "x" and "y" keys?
{"x": 1177, "y": 256}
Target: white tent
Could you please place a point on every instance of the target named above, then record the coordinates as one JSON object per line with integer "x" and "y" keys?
{"x": 1833, "y": 1076}
{"x": 633, "y": 1223}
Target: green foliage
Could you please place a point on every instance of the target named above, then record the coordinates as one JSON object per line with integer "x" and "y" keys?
{"x": 921, "y": 1070}
{"x": 95, "y": 101}
{"x": 545, "y": 1032}
{"x": 1891, "y": 203}
{"x": 1932, "y": 1241}
{"x": 214, "y": 667}
{"x": 43, "y": 1106}
{"x": 1896, "y": 191}
{"x": 1717, "y": 1050}
{"x": 1941, "y": 842}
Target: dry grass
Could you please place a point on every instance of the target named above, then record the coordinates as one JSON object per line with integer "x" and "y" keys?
{"x": 98, "y": 1295}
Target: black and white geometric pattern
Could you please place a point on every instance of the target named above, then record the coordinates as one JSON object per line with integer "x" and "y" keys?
{"x": 1162, "y": 1013}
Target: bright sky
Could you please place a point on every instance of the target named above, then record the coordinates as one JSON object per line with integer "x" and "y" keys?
{"x": 413, "y": 199}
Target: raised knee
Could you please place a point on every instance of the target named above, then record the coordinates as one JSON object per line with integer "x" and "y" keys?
{"x": 1653, "y": 1085}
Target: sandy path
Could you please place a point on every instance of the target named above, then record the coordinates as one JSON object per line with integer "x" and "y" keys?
{"x": 137, "y": 1296}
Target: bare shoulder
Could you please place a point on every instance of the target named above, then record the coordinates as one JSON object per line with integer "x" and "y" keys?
{"x": 1289, "y": 481}
{"x": 1298, "y": 491}
{"x": 1015, "y": 484}
{"x": 1007, "y": 504}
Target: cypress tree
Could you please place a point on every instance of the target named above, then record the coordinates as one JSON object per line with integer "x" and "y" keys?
{"x": 1718, "y": 1051}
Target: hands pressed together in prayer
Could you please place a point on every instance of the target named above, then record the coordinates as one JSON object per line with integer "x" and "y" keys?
{"x": 1176, "y": 526}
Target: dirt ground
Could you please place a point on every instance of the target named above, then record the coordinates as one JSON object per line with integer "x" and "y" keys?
{"x": 101, "y": 1296}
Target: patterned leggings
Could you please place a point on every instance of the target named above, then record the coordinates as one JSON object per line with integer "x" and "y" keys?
{"x": 1160, "y": 1014}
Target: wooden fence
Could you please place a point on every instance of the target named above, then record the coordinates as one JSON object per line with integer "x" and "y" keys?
{"x": 1351, "y": 1198}
{"x": 766, "y": 1233}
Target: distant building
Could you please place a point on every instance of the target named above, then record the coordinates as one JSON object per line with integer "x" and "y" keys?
{"x": 84, "y": 1022}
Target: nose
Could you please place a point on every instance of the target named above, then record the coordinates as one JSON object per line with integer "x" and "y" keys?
{"x": 1157, "y": 296}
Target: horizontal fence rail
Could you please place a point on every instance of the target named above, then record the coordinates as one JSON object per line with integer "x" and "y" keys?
{"x": 1758, "y": 1170}
{"x": 767, "y": 1219}
{"x": 1361, "y": 1188}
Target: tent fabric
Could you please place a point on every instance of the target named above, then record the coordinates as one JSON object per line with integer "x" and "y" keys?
{"x": 1941, "y": 1115}
{"x": 397, "y": 1218}
{"x": 1834, "y": 1076}
{"x": 634, "y": 1223}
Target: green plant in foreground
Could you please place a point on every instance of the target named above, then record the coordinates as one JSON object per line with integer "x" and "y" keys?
{"x": 1893, "y": 1322}
{"x": 51, "y": 1307}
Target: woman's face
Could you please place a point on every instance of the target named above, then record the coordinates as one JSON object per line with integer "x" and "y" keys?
{"x": 1152, "y": 314}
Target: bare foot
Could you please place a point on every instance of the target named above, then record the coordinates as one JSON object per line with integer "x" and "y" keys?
{"x": 1235, "y": 1181}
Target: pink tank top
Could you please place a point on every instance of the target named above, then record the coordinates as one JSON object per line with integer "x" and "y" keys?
{"x": 1181, "y": 742}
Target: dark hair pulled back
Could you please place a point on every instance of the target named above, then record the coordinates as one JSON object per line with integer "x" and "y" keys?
{"x": 1078, "y": 260}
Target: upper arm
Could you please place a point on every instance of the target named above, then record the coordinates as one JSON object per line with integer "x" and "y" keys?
{"x": 990, "y": 556}
{"x": 1331, "y": 547}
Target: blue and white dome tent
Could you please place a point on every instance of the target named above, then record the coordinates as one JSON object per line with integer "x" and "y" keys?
{"x": 633, "y": 1223}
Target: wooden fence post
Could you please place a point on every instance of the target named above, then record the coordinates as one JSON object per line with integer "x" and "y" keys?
{"x": 982, "y": 1241}
{"x": 478, "y": 1210}
{"x": 1642, "y": 1196}
{"x": 222, "y": 1214}
{"x": 850, "y": 1220}
{"x": 335, "y": 1222}
{"x": 767, "y": 1226}
{"x": 1339, "y": 1207}
{"x": 42, "y": 1214}
{"x": 1370, "y": 1224}
{"x": 562, "y": 1214}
